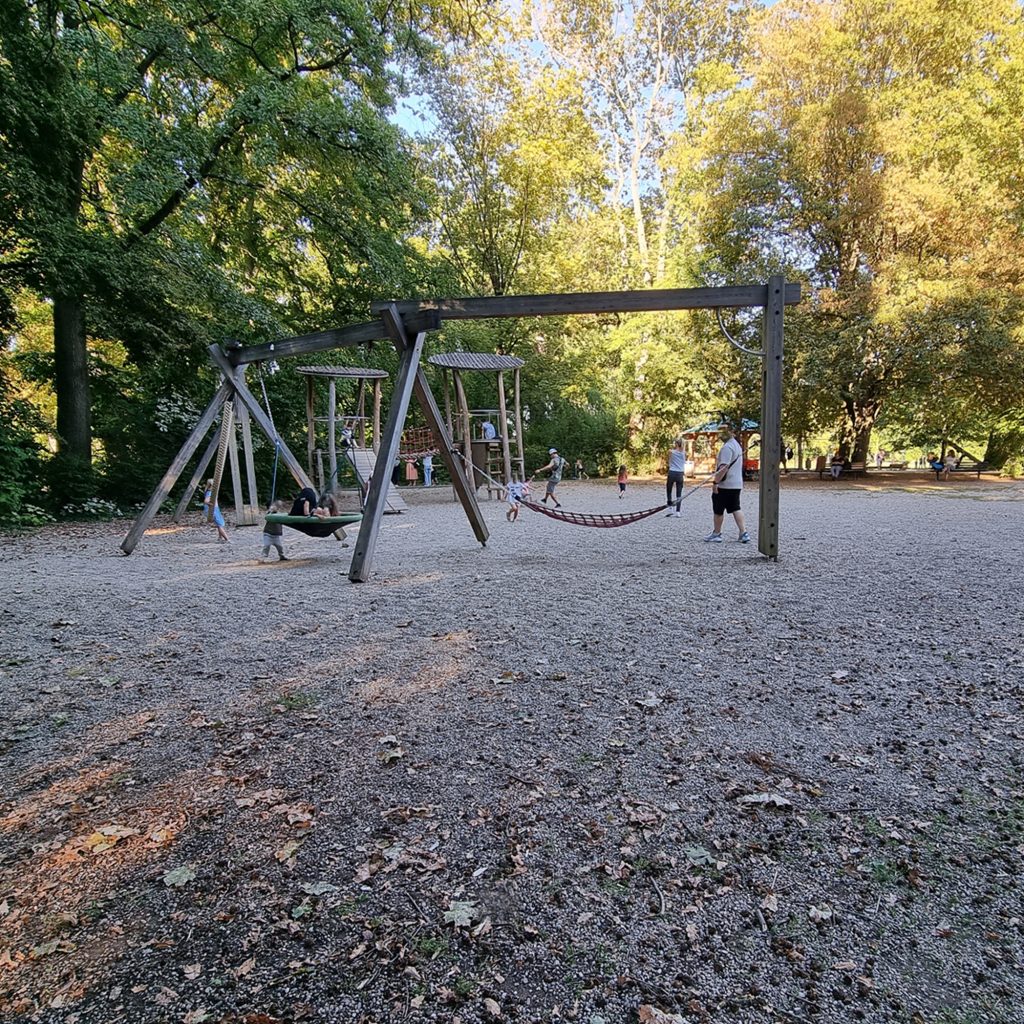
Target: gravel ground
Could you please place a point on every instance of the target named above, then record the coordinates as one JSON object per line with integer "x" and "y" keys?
{"x": 604, "y": 776}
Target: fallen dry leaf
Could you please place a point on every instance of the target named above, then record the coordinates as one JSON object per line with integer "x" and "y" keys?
{"x": 286, "y": 854}
{"x": 648, "y": 1014}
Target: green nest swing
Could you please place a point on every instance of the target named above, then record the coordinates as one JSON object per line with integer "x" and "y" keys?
{"x": 314, "y": 526}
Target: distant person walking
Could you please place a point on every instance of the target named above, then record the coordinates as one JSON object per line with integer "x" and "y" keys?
{"x": 556, "y": 466}
{"x": 428, "y": 470}
{"x": 727, "y": 487}
{"x": 581, "y": 473}
{"x": 623, "y": 479}
{"x": 676, "y": 477}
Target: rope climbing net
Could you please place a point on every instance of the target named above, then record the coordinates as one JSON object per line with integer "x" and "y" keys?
{"x": 417, "y": 442}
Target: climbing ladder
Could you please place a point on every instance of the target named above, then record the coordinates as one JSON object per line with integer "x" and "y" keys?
{"x": 495, "y": 469}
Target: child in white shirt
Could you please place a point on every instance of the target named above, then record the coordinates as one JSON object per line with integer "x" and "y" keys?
{"x": 514, "y": 494}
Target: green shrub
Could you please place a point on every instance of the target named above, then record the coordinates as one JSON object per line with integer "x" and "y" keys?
{"x": 21, "y": 461}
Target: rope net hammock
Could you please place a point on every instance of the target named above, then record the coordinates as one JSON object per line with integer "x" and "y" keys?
{"x": 590, "y": 519}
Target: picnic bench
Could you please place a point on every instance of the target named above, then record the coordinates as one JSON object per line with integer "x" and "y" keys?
{"x": 849, "y": 468}
{"x": 977, "y": 468}
{"x": 965, "y": 463}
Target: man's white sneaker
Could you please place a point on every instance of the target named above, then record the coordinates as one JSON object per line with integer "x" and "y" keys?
{"x": 744, "y": 537}
{"x": 713, "y": 538}
{"x": 677, "y": 514}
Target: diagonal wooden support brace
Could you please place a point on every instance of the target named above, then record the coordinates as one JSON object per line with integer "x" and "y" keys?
{"x": 246, "y": 397}
{"x": 425, "y": 397}
{"x": 200, "y": 469}
{"x": 373, "y": 510}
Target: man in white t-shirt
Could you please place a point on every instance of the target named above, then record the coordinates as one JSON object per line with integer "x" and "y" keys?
{"x": 727, "y": 485}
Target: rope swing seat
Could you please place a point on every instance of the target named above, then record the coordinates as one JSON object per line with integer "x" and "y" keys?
{"x": 314, "y": 526}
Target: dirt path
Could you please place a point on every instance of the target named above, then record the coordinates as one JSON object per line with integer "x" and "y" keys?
{"x": 587, "y": 775}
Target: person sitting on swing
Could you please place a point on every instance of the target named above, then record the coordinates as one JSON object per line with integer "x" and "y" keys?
{"x": 326, "y": 507}
{"x": 305, "y": 504}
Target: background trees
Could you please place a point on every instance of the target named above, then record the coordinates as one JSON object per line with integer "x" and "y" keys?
{"x": 172, "y": 174}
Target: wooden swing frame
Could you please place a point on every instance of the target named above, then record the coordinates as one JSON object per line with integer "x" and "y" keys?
{"x": 406, "y": 324}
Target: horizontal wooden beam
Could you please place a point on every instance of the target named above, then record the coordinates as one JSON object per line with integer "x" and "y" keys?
{"x": 591, "y": 302}
{"x": 324, "y": 341}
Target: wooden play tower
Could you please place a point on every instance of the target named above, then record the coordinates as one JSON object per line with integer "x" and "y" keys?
{"x": 494, "y": 452}
{"x": 334, "y": 435}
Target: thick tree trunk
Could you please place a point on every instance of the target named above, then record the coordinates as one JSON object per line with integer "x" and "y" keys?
{"x": 862, "y": 442}
{"x": 860, "y": 421}
{"x": 71, "y": 385}
{"x": 1004, "y": 445}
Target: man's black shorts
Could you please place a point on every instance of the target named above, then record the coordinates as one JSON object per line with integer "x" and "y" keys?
{"x": 726, "y": 499}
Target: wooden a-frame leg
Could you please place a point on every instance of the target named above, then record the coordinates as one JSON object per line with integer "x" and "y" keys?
{"x": 443, "y": 439}
{"x": 248, "y": 399}
{"x": 170, "y": 478}
{"x": 373, "y": 510}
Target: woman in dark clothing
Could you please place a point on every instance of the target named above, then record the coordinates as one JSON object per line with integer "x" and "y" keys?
{"x": 305, "y": 503}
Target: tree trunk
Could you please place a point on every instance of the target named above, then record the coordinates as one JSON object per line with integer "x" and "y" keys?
{"x": 862, "y": 441}
{"x": 73, "y": 462}
{"x": 1003, "y": 446}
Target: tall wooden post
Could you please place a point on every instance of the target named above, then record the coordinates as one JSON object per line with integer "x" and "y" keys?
{"x": 467, "y": 428}
{"x": 442, "y": 437}
{"x": 252, "y": 508}
{"x": 310, "y": 425}
{"x": 332, "y": 434}
{"x": 446, "y": 384}
{"x": 506, "y": 452}
{"x": 236, "y": 481}
{"x": 373, "y": 510}
{"x": 771, "y": 417}
{"x": 170, "y": 478}
{"x": 376, "y": 415}
{"x": 520, "y": 449}
{"x": 361, "y": 407}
